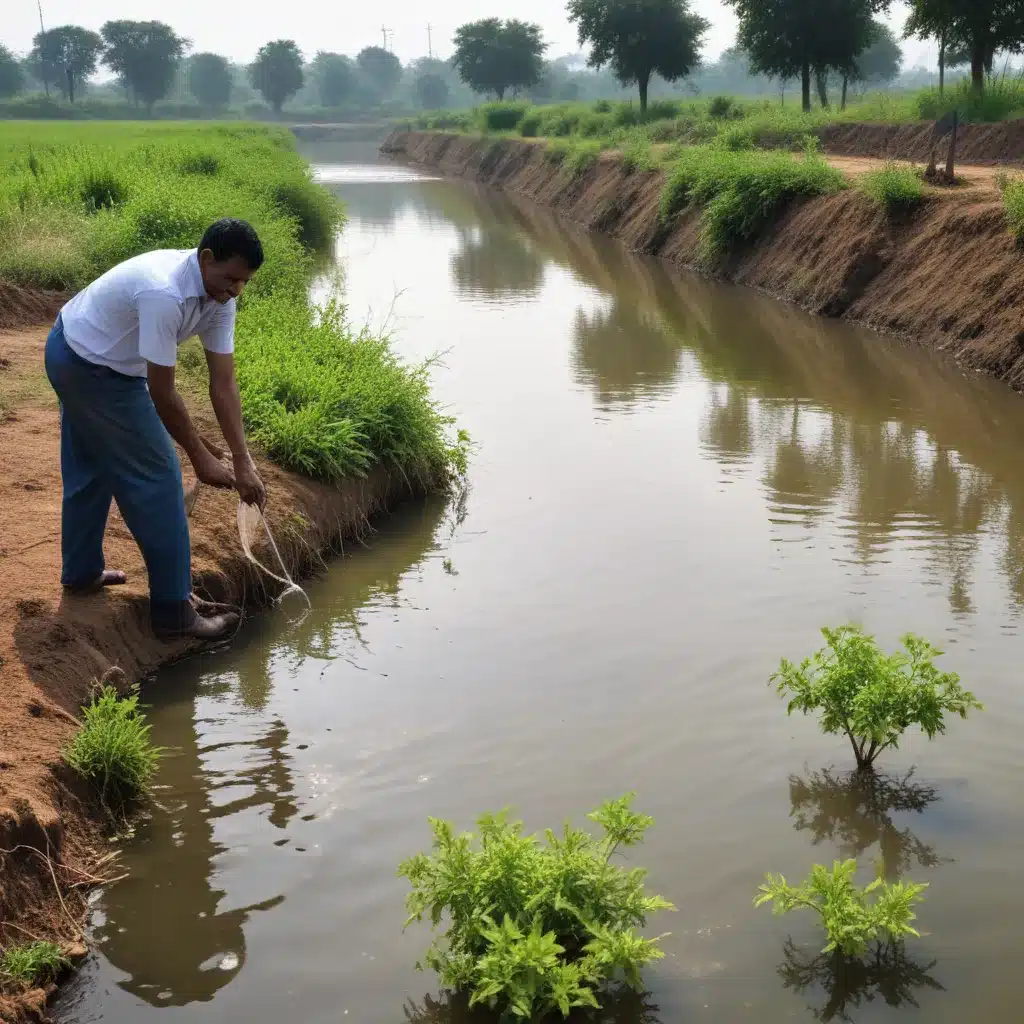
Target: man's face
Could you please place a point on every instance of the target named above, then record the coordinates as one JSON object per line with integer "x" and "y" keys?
{"x": 223, "y": 280}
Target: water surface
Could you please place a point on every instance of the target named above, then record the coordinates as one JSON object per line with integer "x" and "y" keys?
{"x": 675, "y": 484}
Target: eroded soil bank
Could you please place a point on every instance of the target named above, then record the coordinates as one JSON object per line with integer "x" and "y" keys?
{"x": 53, "y": 647}
{"x": 949, "y": 277}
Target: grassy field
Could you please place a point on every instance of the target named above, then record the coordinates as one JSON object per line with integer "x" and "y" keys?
{"x": 76, "y": 198}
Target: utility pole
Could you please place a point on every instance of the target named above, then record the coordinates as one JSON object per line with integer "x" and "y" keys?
{"x": 430, "y": 42}
{"x": 42, "y": 69}
{"x": 384, "y": 32}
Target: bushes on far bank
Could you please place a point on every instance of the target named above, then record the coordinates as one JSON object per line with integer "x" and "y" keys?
{"x": 740, "y": 192}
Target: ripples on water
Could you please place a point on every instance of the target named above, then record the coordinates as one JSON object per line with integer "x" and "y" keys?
{"x": 676, "y": 483}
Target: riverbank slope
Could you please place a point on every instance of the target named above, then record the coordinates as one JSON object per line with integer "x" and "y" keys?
{"x": 54, "y": 647}
{"x": 949, "y": 276}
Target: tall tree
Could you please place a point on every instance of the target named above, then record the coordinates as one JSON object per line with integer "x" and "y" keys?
{"x": 639, "y": 38}
{"x": 144, "y": 55}
{"x": 431, "y": 90}
{"x": 209, "y": 79}
{"x": 493, "y": 56}
{"x": 334, "y": 78}
{"x": 980, "y": 26}
{"x": 11, "y": 78}
{"x": 798, "y": 38}
{"x": 67, "y": 56}
{"x": 381, "y": 70}
{"x": 277, "y": 72}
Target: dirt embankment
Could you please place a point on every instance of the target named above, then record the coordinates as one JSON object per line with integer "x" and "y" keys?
{"x": 981, "y": 144}
{"x": 53, "y": 646}
{"x": 950, "y": 277}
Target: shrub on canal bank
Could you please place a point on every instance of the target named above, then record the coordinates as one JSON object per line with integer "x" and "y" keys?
{"x": 870, "y": 696}
{"x": 112, "y": 750}
{"x": 34, "y": 963}
{"x": 534, "y": 927}
{"x": 896, "y": 189}
{"x": 740, "y": 192}
{"x": 850, "y": 919}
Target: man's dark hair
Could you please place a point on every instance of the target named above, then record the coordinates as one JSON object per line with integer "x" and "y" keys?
{"x": 231, "y": 237}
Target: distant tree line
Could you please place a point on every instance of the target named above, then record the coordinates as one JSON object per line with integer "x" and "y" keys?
{"x": 642, "y": 45}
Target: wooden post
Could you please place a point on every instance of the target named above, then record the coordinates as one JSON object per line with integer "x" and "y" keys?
{"x": 951, "y": 159}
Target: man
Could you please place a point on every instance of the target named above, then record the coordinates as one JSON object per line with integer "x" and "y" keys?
{"x": 111, "y": 357}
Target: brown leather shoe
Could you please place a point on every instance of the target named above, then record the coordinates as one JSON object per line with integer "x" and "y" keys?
{"x": 207, "y": 628}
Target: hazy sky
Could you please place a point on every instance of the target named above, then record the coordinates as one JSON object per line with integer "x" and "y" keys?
{"x": 346, "y": 27}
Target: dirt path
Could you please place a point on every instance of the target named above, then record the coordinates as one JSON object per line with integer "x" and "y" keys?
{"x": 976, "y": 179}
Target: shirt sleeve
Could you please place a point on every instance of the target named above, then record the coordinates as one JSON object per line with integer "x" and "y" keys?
{"x": 219, "y": 334}
{"x": 159, "y": 323}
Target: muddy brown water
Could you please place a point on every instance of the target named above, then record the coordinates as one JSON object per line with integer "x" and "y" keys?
{"x": 676, "y": 483}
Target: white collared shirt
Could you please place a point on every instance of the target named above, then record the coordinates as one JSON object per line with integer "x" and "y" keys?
{"x": 141, "y": 310}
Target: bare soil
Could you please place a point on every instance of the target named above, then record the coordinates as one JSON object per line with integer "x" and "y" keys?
{"x": 950, "y": 276}
{"x": 53, "y": 646}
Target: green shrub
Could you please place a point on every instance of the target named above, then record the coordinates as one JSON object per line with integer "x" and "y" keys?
{"x": 722, "y": 107}
{"x": 740, "y": 192}
{"x": 34, "y": 963}
{"x": 896, "y": 189}
{"x": 1012, "y": 189}
{"x": 1002, "y": 98}
{"x": 532, "y": 927}
{"x": 529, "y": 126}
{"x": 332, "y": 404}
{"x": 850, "y": 919}
{"x": 870, "y": 696}
{"x": 501, "y": 117}
{"x": 199, "y": 163}
{"x": 638, "y": 155}
{"x": 112, "y": 749}
{"x": 662, "y": 110}
{"x": 603, "y": 107}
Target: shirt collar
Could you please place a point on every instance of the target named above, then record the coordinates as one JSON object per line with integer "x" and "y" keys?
{"x": 193, "y": 278}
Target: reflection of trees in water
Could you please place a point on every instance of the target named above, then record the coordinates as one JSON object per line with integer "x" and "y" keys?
{"x": 885, "y": 972}
{"x": 496, "y": 263}
{"x": 726, "y": 429}
{"x": 619, "y": 1005}
{"x": 623, "y": 354}
{"x": 854, "y": 810}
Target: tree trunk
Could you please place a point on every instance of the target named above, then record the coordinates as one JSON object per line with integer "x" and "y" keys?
{"x": 978, "y": 67}
{"x": 942, "y": 62}
{"x": 71, "y": 84}
{"x": 501, "y": 94}
{"x": 846, "y": 85}
{"x": 644, "y": 81}
{"x": 805, "y": 81}
{"x": 821, "y": 78}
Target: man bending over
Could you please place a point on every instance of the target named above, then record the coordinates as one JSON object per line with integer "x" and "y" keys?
{"x": 110, "y": 357}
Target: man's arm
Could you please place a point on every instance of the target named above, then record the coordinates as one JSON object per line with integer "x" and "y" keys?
{"x": 171, "y": 410}
{"x": 227, "y": 406}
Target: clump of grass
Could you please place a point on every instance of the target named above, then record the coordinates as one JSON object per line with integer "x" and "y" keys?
{"x": 199, "y": 163}
{"x": 897, "y": 189}
{"x": 331, "y": 404}
{"x": 501, "y": 117}
{"x": 534, "y": 927}
{"x": 112, "y": 749}
{"x": 34, "y": 963}
{"x": 741, "y": 192}
{"x": 1012, "y": 189}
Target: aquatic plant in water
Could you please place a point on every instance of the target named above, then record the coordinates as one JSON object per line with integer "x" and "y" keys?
{"x": 534, "y": 926}
{"x": 850, "y": 918}
{"x": 871, "y": 696}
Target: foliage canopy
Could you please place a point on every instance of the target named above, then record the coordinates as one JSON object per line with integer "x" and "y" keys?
{"x": 334, "y": 78}
{"x": 209, "y": 79}
{"x": 870, "y": 696}
{"x": 144, "y": 55}
{"x": 534, "y": 927}
{"x": 640, "y": 38}
{"x": 493, "y": 56}
{"x": 277, "y": 72}
{"x": 381, "y": 69}
{"x": 67, "y": 56}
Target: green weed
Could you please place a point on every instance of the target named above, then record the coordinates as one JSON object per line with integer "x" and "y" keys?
{"x": 112, "y": 749}
{"x": 896, "y": 189}
{"x": 872, "y": 697}
{"x": 851, "y": 920}
{"x": 501, "y": 117}
{"x": 35, "y": 963}
{"x": 1012, "y": 189}
{"x": 533, "y": 926}
{"x": 740, "y": 192}
{"x": 638, "y": 155}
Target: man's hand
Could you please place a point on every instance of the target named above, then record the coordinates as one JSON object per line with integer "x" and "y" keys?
{"x": 210, "y": 470}
{"x": 248, "y": 483}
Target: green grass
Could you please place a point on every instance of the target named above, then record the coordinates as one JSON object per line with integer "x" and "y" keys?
{"x": 112, "y": 749}
{"x": 1013, "y": 201}
{"x": 75, "y": 199}
{"x": 741, "y": 192}
{"x": 896, "y": 189}
{"x": 34, "y": 963}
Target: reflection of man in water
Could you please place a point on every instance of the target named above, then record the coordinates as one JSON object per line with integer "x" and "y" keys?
{"x": 164, "y": 928}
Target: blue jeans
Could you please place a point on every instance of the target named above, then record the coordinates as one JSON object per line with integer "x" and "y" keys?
{"x": 114, "y": 445}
